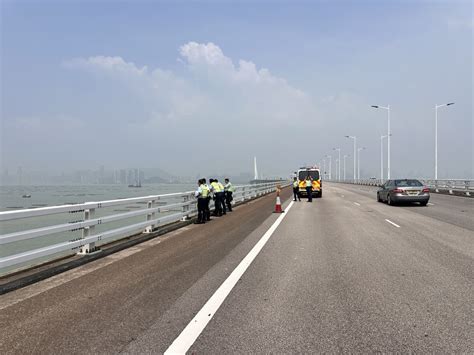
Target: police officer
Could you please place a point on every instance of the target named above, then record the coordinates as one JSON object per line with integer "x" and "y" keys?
{"x": 222, "y": 197}
{"x": 309, "y": 188}
{"x": 201, "y": 203}
{"x": 229, "y": 191}
{"x": 217, "y": 191}
{"x": 205, "y": 186}
{"x": 296, "y": 189}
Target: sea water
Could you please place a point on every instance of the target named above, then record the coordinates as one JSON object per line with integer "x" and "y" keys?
{"x": 14, "y": 198}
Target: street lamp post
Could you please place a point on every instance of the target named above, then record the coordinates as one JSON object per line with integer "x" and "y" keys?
{"x": 330, "y": 167}
{"x": 381, "y": 156}
{"x": 436, "y": 136}
{"x": 358, "y": 162}
{"x": 388, "y": 137}
{"x": 338, "y": 166}
{"x": 345, "y": 156}
{"x": 324, "y": 168}
{"x": 355, "y": 156}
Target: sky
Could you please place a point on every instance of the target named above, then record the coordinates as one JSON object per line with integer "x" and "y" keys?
{"x": 204, "y": 86}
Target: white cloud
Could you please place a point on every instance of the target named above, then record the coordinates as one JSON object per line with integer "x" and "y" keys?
{"x": 107, "y": 64}
{"x": 208, "y": 54}
{"x": 214, "y": 88}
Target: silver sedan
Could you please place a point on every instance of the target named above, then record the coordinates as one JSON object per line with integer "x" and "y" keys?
{"x": 403, "y": 190}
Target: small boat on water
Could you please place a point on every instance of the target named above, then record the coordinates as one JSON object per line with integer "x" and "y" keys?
{"x": 26, "y": 196}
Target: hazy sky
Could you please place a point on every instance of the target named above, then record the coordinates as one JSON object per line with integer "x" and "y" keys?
{"x": 204, "y": 86}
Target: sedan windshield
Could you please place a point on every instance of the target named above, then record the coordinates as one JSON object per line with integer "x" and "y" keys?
{"x": 408, "y": 183}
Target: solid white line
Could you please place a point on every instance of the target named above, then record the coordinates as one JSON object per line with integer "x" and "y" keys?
{"x": 389, "y": 221}
{"x": 189, "y": 335}
{"x": 357, "y": 204}
{"x": 430, "y": 204}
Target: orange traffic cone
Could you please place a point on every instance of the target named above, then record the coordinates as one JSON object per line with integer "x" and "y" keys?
{"x": 278, "y": 206}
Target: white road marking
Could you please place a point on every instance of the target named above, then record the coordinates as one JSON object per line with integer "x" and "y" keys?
{"x": 195, "y": 327}
{"x": 357, "y": 204}
{"x": 389, "y": 221}
{"x": 342, "y": 195}
{"x": 430, "y": 204}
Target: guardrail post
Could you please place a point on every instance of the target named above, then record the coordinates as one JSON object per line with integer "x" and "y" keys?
{"x": 150, "y": 216}
{"x": 185, "y": 208}
{"x": 243, "y": 193}
{"x": 86, "y": 232}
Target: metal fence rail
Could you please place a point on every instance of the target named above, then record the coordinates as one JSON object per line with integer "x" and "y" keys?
{"x": 159, "y": 210}
{"x": 464, "y": 186}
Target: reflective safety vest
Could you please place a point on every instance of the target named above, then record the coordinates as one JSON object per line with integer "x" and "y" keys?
{"x": 308, "y": 183}
{"x": 221, "y": 186}
{"x": 205, "y": 191}
{"x": 216, "y": 187}
{"x": 295, "y": 184}
{"x": 229, "y": 187}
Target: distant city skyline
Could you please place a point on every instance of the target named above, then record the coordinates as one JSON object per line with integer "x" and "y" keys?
{"x": 104, "y": 175}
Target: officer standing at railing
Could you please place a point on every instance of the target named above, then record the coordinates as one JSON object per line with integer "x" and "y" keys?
{"x": 207, "y": 214}
{"x": 214, "y": 190}
{"x": 229, "y": 191}
{"x": 222, "y": 197}
{"x": 201, "y": 195}
{"x": 218, "y": 191}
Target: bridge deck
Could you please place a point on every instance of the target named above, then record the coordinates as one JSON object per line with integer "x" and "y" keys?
{"x": 334, "y": 276}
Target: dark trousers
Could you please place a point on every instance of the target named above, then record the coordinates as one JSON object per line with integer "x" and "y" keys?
{"x": 296, "y": 193}
{"x": 310, "y": 193}
{"x": 228, "y": 200}
{"x": 201, "y": 205}
{"x": 221, "y": 198}
{"x": 208, "y": 210}
{"x": 218, "y": 204}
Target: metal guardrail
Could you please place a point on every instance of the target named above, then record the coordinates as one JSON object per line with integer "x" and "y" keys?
{"x": 464, "y": 186}
{"x": 160, "y": 210}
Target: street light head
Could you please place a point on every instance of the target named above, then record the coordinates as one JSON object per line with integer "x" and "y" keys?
{"x": 449, "y": 104}
{"x": 374, "y": 106}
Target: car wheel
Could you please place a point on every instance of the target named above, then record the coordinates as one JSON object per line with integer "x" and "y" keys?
{"x": 378, "y": 198}
{"x": 424, "y": 203}
{"x": 389, "y": 200}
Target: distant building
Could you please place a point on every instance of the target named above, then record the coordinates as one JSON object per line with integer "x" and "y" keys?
{"x": 123, "y": 176}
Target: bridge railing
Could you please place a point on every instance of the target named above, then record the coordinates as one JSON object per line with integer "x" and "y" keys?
{"x": 37, "y": 235}
{"x": 451, "y": 186}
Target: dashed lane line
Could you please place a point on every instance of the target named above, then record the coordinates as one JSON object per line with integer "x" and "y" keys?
{"x": 192, "y": 331}
{"x": 356, "y": 203}
{"x": 392, "y": 223}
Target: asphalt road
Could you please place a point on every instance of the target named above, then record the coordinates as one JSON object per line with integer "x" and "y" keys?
{"x": 341, "y": 274}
